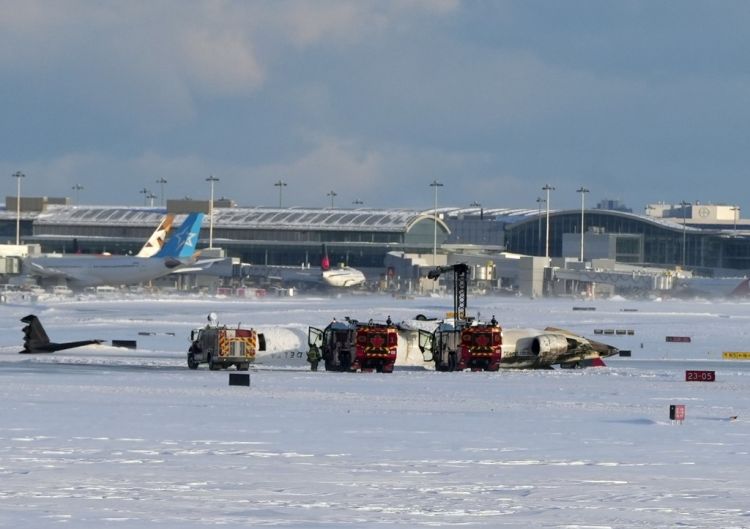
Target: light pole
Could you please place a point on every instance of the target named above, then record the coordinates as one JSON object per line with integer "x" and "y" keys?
{"x": 145, "y": 192}
{"x": 539, "y": 202}
{"x": 357, "y": 202}
{"x": 211, "y": 179}
{"x": 18, "y": 175}
{"x": 547, "y": 188}
{"x": 684, "y": 229}
{"x": 151, "y": 198}
{"x": 582, "y": 190}
{"x": 280, "y": 184}
{"x": 435, "y": 184}
{"x": 736, "y": 210}
{"x": 161, "y": 181}
{"x": 77, "y": 188}
{"x": 476, "y": 204}
{"x": 331, "y": 194}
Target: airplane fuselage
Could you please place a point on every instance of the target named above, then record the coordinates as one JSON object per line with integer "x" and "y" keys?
{"x": 85, "y": 271}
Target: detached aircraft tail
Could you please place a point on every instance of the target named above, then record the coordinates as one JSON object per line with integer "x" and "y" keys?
{"x": 35, "y": 339}
{"x": 182, "y": 242}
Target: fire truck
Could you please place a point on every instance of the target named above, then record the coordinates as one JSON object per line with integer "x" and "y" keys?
{"x": 220, "y": 346}
{"x": 456, "y": 345}
{"x": 351, "y": 345}
{"x": 461, "y": 343}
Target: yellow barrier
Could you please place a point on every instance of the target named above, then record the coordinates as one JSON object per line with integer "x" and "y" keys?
{"x": 735, "y": 356}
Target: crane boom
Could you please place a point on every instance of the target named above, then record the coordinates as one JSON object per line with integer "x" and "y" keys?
{"x": 460, "y": 286}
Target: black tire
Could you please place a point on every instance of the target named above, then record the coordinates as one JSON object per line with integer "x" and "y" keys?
{"x": 213, "y": 366}
{"x": 192, "y": 364}
{"x": 243, "y": 366}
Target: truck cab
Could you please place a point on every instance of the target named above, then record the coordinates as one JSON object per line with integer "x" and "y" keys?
{"x": 456, "y": 345}
{"x": 221, "y": 347}
{"x": 351, "y": 345}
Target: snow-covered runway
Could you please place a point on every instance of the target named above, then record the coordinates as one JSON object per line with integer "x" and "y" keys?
{"x": 99, "y": 437}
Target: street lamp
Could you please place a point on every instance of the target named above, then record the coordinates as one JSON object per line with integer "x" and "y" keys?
{"x": 161, "y": 181}
{"x": 331, "y": 194}
{"x": 539, "y": 202}
{"x": 18, "y": 175}
{"x": 435, "y": 184}
{"x": 151, "y": 198}
{"x": 547, "y": 188}
{"x": 280, "y": 184}
{"x": 77, "y": 188}
{"x": 684, "y": 229}
{"x": 145, "y": 192}
{"x": 211, "y": 179}
{"x": 582, "y": 190}
{"x": 357, "y": 202}
{"x": 476, "y": 204}
{"x": 736, "y": 210}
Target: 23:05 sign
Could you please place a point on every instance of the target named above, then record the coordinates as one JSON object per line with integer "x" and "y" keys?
{"x": 700, "y": 376}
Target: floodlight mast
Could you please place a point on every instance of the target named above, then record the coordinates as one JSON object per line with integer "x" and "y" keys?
{"x": 460, "y": 286}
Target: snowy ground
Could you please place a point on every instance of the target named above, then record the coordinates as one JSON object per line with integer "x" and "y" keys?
{"x": 100, "y": 437}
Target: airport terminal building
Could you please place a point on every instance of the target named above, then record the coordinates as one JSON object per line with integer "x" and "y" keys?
{"x": 701, "y": 237}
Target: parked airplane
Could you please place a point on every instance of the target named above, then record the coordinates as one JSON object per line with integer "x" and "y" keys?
{"x": 83, "y": 270}
{"x": 340, "y": 277}
{"x": 343, "y": 276}
{"x": 35, "y": 339}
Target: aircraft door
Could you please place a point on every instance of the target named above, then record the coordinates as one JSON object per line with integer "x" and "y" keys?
{"x": 426, "y": 344}
{"x": 315, "y": 337}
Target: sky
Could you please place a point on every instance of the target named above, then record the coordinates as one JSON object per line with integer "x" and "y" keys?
{"x": 639, "y": 101}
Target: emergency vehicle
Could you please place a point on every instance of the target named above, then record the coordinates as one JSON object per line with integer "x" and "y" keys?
{"x": 220, "y": 346}
{"x": 351, "y": 345}
{"x": 456, "y": 345}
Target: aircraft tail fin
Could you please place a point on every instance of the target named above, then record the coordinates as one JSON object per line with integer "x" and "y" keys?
{"x": 325, "y": 262}
{"x": 35, "y": 339}
{"x": 182, "y": 242}
{"x": 157, "y": 239}
{"x": 34, "y": 335}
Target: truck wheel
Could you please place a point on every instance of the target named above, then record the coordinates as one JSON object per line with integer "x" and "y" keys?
{"x": 192, "y": 364}
{"x": 243, "y": 366}
{"x": 388, "y": 368}
{"x": 213, "y": 366}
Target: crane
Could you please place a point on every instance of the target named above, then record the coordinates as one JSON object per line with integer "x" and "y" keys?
{"x": 460, "y": 286}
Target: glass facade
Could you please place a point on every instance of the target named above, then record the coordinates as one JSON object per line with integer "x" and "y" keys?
{"x": 662, "y": 243}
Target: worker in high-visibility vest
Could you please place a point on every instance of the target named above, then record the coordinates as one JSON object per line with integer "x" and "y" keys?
{"x": 314, "y": 356}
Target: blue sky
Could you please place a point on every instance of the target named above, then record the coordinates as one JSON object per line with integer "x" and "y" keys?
{"x": 638, "y": 101}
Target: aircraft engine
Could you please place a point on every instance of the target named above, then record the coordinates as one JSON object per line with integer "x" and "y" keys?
{"x": 549, "y": 344}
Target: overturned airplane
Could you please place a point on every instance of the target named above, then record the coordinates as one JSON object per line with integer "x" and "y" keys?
{"x": 35, "y": 339}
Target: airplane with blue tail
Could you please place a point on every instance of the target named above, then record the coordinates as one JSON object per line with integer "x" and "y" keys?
{"x": 86, "y": 270}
